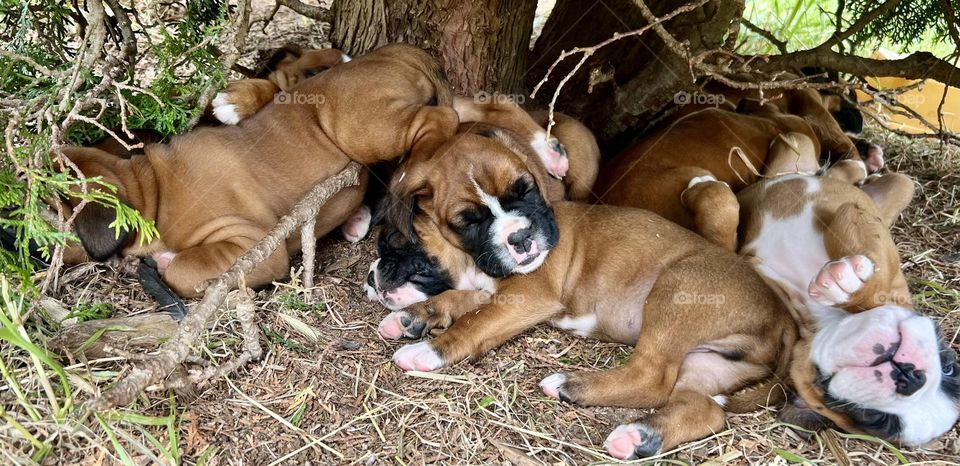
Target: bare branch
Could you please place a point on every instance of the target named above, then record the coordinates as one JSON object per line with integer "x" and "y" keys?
{"x": 779, "y": 44}
{"x": 314, "y": 12}
{"x": 859, "y": 24}
{"x": 918, "y": 65}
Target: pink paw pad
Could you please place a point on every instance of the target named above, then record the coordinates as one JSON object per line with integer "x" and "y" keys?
{"x": 551, "y": 385}
{"x": 163, "y": 260}
{"x": 358, "y": 225}
{"x": 630, "y": 441}
{"x": 838, "y": 280}
{"x": 552, "y": 154}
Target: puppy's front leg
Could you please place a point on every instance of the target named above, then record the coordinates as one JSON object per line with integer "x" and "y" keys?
{"x": 439, "y": 311}
{"x": 865, "y": 270}
{"x": 521, "y": 302}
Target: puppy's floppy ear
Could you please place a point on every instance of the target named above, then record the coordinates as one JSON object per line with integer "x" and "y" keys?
{"x": 98, "y": 238}
{"x": 892, "y": 193}
{"x": 407, "y": 188}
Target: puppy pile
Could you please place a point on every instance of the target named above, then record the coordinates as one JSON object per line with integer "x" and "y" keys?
{"x": 743, "y": 273}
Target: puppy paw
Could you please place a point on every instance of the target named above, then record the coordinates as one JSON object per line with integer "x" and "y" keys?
{"x": 224, "y": 110}
{"x": 418, "y": 357}
{"x": 632, "y": 441}
{"x": 874, "y": 158}
{"x": 358, "y": 225}
{"x": 401, "y": 324}
{"x": 551, "y": 385}
{"x": 552, "y": 154}
{"x": 163, "y": 260}
{"x": 840, "y": 279}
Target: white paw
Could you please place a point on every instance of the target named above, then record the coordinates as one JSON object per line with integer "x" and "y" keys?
{"x": 418, "y": 357}
{"x": 358, "y": 225}
{"x": 225, "y": 111}
{"x": 551, "y": 385}
{"x": 344, "y": 57}
{"x": 630, "y": 441}
{"x": 839, "y": 279}
{"x": 700, "y": 179}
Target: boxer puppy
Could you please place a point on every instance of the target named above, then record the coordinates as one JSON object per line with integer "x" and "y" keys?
{"x": 402, "y": 290}
{"x": 723, "y": 151}
{"x": 622, "y": 275}
{"x": 216, "y": 191}
{"x": 831, "y": 118}
{"x": 824, "y": 245}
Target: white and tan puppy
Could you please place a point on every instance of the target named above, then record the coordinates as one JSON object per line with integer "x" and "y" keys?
{"x": 825, "y": 245}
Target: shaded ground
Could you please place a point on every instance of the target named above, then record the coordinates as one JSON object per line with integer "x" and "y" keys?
{"x": 326, "y": 392}
{"x": 329, "y": 393}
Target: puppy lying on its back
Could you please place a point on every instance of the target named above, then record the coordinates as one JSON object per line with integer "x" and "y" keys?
{"x": 824, "y": 244}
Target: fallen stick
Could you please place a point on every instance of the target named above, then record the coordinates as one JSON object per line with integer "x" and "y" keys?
{"x": 157, "y": 367}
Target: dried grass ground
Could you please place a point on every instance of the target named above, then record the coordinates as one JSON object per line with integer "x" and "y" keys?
{"x": 326, "y": 392}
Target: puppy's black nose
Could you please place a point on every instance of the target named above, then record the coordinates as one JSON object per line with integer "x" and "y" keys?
{"x": 907, "y": 377}
{"x": 371, "y": 280}
{"x": 521, "y": 240}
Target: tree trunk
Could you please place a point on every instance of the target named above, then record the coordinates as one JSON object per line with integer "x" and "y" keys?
{"x": 482, "y": 45}
{"x": 629, "y": 82}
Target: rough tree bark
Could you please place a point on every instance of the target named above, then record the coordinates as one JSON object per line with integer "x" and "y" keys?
{"x": 631, "y": 81}
{"x": 483, "y": 44}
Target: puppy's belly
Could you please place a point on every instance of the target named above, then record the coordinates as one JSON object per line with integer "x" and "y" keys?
{"x": 791, "y": 250}
{"x": 617, "y": 324}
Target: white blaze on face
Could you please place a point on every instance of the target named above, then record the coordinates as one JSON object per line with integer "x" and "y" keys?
{"x": 505, "y": 224}
{"x": 847, "y": 348}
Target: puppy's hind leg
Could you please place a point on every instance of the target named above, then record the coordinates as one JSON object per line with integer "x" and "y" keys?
{"x": 688, "y": 415}
{"x": 241, "y": 99}
{"x": 715, "y": 209}
{"x": 193, "y": 266}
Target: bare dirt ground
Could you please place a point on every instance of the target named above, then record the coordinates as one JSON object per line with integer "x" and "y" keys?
{"x": 326, "y": 392}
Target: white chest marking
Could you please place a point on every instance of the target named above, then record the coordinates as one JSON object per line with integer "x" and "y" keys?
{"x": 582, "y": 325}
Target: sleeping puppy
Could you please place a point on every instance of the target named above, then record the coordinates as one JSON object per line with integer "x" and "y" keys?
{"x": 618, "y": 274}
{"x": 216, "y": 191}
{"x": 401, "y": 289}
{"x": 825, "y": 246}
{"x": 720, "y": 151}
